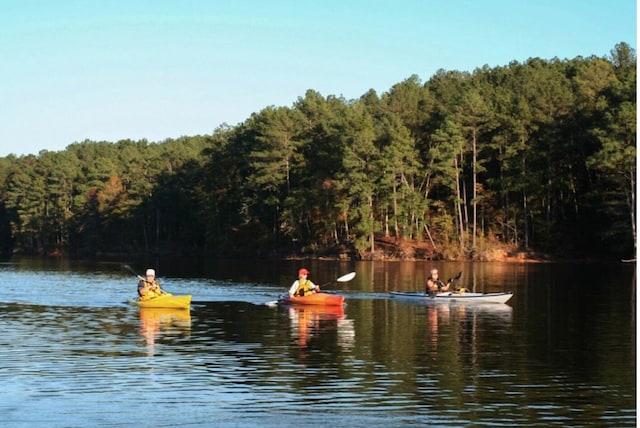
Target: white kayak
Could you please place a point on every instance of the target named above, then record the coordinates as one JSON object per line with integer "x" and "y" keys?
{"x": 452, "y": 296}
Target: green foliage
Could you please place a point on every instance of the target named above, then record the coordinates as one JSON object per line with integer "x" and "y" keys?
{"x": 539, "y": 154}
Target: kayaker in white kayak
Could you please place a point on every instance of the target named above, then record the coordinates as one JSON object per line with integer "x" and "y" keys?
{"x": 434, "y": 284}
{"x": 303, "y": 286}
{"x": 149, "y": 287}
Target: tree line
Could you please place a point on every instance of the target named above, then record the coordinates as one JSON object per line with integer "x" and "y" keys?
{"x": 535, "y": 155}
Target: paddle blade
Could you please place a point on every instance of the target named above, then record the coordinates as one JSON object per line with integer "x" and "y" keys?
{"x": 347, "y": 277}
{"x": 127, "y": 267}
{"x": 450, "y": 280}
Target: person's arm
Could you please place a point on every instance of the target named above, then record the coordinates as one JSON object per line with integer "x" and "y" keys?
{"x": 430, "y": 285}
{"x": 314, "y": 287}
{"x": 157, "y": 288}
{"x": 143, "y": 287}
{"x": 431, "y": 288}
{"x": 293, "y": 288}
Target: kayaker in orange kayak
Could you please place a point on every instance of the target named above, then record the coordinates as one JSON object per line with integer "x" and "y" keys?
{"x": 303, "y": 286}
{"x": 149, "y": 287}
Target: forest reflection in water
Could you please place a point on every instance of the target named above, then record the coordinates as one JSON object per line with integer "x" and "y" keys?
{"x": 554, "y": 356}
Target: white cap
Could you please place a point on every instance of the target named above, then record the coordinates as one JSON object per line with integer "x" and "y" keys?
{"x": 151, "y": 272}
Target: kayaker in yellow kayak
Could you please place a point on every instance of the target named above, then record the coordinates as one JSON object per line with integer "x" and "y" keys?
{"x": 149, "y": 288}
{"x": 303, "y": 286}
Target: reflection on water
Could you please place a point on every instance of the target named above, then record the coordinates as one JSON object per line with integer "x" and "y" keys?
{"x": 476, "y": 332}
{"x": 156, "y": 323}
{"x": 560, "y": 354}
{"x": 309, "y": 323}
{"x": 467, "y": 321}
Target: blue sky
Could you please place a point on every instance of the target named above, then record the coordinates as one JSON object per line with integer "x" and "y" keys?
{"x": 157, "y": 69}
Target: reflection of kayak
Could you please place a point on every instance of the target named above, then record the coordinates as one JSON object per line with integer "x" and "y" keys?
{"x": 454, "y": 297}
{"x": 166, "y": 316}
{"x": 311, "y": 321}
{"x": 312, "y": 299}
{"x": 166, "y": 301}
{"x": 158, "y": 322}
{"x": 322, "y": 312}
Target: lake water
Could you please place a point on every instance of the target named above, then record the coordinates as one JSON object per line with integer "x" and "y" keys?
{"x": 561, "y": 352}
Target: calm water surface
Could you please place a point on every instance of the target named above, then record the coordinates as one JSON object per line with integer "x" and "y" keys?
{"x": 75, "y": 354}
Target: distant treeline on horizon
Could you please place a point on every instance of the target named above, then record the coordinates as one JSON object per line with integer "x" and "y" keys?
{"x": 539, "y": 155}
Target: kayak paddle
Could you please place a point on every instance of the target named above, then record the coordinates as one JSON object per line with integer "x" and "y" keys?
{"x": 450, "y": 280}
{"x": 344, "y": 278}
{"x": 127, "y": 267}
{"x": 455, "y": 278}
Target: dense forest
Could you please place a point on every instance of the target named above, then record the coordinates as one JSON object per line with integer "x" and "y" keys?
{"x": 534, "y": 156}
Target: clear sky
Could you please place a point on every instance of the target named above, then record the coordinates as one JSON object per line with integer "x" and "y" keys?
{"x": 106, "y": 70}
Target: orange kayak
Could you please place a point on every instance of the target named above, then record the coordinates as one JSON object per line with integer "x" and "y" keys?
{"x": 312, "y": 299}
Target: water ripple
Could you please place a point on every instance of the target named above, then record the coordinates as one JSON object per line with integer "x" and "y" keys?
{"x": 237, "y": 363}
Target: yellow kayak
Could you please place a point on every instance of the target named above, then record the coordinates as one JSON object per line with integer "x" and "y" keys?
{"x": 166, "y": 301}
